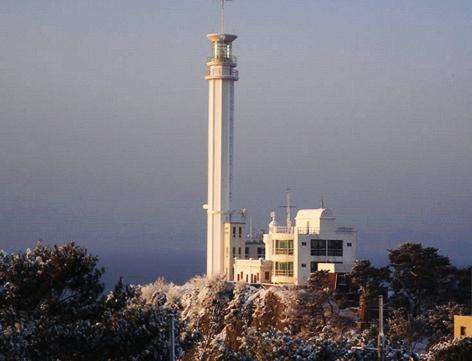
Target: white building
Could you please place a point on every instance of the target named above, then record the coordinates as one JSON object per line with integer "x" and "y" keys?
{"x": 288, "y": 253}
{"x": 292, "y": 252}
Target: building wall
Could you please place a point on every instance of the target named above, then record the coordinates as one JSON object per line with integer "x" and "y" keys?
{"x": 234, "y": 246}
{"x": 462, "y": 326}
{"x": 252, "y": 271}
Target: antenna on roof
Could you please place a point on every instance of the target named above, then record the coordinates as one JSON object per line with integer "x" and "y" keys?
{"x": 288, "y": 207}
{"x": 322, "y": 202}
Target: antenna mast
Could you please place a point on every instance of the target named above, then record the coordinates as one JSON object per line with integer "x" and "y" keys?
{"x": 288, "y": 208}
{"x": 222, "y": 16}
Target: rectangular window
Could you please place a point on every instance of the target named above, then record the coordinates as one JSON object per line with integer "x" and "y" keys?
{"x": 234, "y": 231}
{"x": 313, "y": 267}
{"x": 267, "y": 276}
{"x": 239, "y": 251}
{"x": 303, "y": 265}
{"x": 240, "y": 232}
{"x": 318, "y": 247}
{"x": 303, "y": 243}
{"x": 246, "y": 252}
{"x": 284, "y": 246}
{"x": 463, "y": 331}
{"x": 234, "y": 252}
{"x": 284, "y": 269}
{"x": 349, "y": 244}
{"x": 260, "y": 252}
{"x": 335, "y": 248}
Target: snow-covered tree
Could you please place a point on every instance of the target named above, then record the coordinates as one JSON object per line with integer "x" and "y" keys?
{"x": 52, "y": 308}
{"x": 452, "y": 350}
{"x": 421, "y": 278}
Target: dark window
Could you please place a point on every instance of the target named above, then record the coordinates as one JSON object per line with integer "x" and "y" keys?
{"x": 303, "y": 243}
{"x": 246, "y": 252}
{"x": 303, "y": 265}
{"x": 234, "y": 252}
{"x": 463, "y": 331}
{"x": 234, "y": 231}
{"x": 318, "y": 247}
{"x": 349, "y": 244}
{"x": 267, "y": 276}
{"x": 240, "y": 232}
{"x": 260, "y": 252}
{"x": 239, "y": 251}
{"x": 335, "y": 248}
{"x": 313, "y": 267}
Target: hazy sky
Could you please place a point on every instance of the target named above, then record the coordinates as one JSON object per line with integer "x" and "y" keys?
{"x": 103, "y": 122}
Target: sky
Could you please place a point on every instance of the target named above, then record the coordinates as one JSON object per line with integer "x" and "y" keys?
{"x": 103, "y": 123}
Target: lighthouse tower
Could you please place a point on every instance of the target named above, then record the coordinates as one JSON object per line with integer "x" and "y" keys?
{"x": 221, "y": 74}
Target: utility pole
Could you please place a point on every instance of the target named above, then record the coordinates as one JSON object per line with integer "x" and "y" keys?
{"x": 381, "y": 336}
{"x": 172, "y": 338}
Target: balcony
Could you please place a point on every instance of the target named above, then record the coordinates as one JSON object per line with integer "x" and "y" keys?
{"x": 285, "y": 273}
{"x": 224, "y": 59}
{"x": 221, "y": 73}
{"x": 286, "y": 251}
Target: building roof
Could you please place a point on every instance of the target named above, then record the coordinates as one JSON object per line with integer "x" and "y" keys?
{"x": 315, "y": 213}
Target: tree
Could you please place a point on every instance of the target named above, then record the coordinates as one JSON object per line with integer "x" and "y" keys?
{"x": 268, "y": 312}
{"x": 456, "y": 350}
{"x": 421, "y": 278}
{"x": 312, "y": 307}
{"x": 52, "y": 308}
{"x": 370, "y": 283}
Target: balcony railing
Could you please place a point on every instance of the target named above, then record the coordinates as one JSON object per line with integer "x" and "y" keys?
{"x": 287, "y": 273}
{"x": 230, "y": 59}
{"x": 288, "y": 251}
{"x": 222, "y": 72}
{"x": 281, "y": 229}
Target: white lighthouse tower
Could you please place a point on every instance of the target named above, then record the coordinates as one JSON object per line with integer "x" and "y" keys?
{"x": 221, "y": 74}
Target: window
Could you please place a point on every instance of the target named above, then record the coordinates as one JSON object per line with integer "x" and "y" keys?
{"x": 284, "y": 269}
{"x": 246, "y": 252}
{"x": 239, "y": 251}
{"x": 234, "y": 252}
{"x": 303, "y": 265}
{"x": 260, "y": 252}
{"x": 349, "y": 244}
{"x": 303, "y": 243}
{"x": 240, "y": 232}
{"x": 267, "y": 276}
{"x": 335, "y": 248}
{"x": 313, "y": 267}
{"x": 318, "y": 247}
{"x": 284, "y": 246}
{"x": 463, "y": 331}
{"x": 234, "y": 231}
